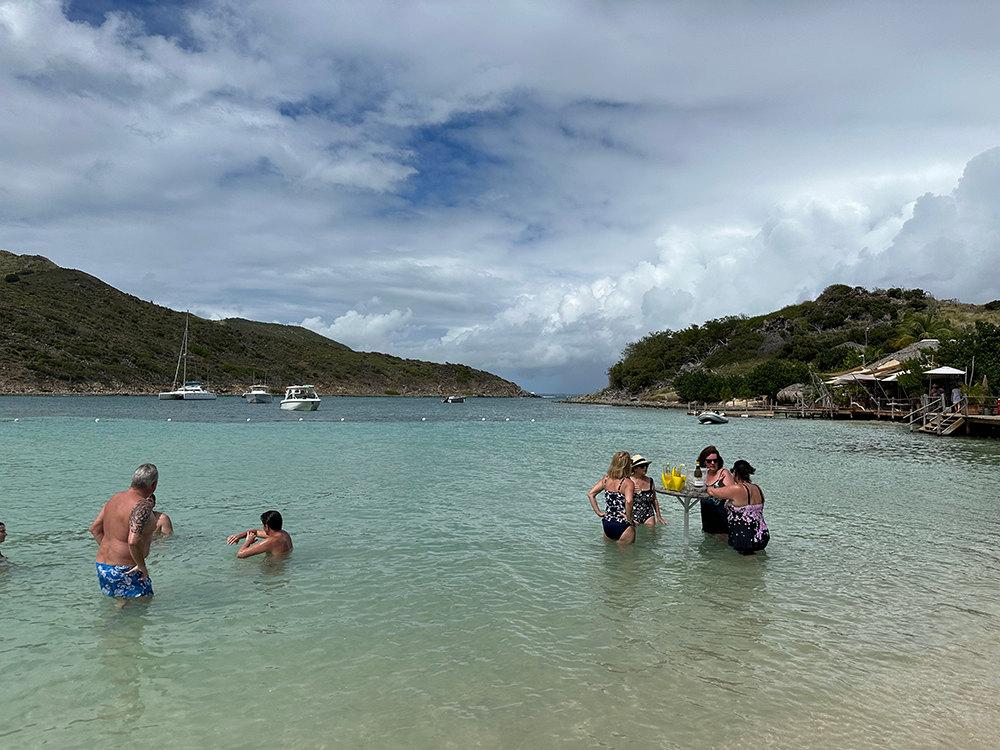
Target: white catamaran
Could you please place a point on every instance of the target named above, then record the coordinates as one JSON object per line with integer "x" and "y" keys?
{"x": 191, "y": 390}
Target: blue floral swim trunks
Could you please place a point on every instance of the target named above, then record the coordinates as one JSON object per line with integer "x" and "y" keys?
{"x": 116, "y": 581}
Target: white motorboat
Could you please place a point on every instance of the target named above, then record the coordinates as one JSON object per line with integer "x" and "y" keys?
{"x": 191, "y": 390}
{"x": 300, "y": 398}
{"x": 713, "y": 417}
{"x": 258, "y": 394}
{"x": 453, "y": 400}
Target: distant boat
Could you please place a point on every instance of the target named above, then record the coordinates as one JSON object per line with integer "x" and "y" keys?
{"x": 300, "y": 398}
{"x": 191, "y": 390}
{"x": 453, "y": 400}
{"x": 258, "y": 394}
{"x": 712, "y": 417}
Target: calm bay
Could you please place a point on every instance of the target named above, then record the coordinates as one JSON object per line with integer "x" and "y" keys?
{"x": 450, "y": 587}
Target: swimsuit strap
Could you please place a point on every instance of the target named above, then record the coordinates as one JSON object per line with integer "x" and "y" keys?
{"x": 747, "y": 486}
{"x": 620, "y": 485}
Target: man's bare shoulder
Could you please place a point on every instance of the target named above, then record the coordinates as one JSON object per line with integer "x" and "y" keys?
{"x": 125, "y": 499}
{"x": 283, "y": 543}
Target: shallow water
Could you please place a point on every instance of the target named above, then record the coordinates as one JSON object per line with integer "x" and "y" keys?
{"x": 449, "y": 585}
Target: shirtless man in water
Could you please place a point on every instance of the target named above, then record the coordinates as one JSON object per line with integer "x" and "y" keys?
{"x": 163, "y": 524}
{"x": 123, "y": 529}
{"x": 270, "y": 539}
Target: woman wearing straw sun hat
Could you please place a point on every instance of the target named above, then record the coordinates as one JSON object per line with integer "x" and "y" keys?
{"x": 645, "y": 506}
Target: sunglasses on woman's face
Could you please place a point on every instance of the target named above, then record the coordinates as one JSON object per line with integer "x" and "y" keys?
{"x": 711, "y": 460}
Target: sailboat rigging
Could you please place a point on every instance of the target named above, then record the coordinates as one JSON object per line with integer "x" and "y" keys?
{"x": 191, "y": 390}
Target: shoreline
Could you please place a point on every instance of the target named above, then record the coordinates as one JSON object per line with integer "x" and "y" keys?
{"x": 732, "y": 409}
{"x": 125, "y": 393}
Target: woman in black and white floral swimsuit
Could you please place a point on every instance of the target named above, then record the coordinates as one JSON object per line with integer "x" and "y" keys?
{"x": 618, "y": 492}
{"x": 645, "y": 506}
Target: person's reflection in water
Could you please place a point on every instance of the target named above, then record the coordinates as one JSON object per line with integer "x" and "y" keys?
{"x": 124, "y": 662}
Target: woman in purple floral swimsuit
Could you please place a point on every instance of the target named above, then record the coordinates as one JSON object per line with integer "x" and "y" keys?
{"x": 748, "y": 534}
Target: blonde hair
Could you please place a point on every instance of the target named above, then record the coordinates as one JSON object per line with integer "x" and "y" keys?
{"x": 621, "y": 465}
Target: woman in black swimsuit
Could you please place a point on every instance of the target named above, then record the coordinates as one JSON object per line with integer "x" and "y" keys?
{"x": 645, "y": 506}
{"x": 713, "y": 511}
{"x": 618, "y": 492}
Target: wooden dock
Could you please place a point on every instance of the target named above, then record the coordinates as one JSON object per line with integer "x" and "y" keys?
{"x": 930, "y": 422}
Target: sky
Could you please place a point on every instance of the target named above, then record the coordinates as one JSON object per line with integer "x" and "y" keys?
{"x": 523, "y": 187}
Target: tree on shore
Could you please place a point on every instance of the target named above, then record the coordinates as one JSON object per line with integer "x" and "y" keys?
{"x": 918, "y": 326}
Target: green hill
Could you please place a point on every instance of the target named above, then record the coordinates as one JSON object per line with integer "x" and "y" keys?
{"x": 740, "y": 356}
{"x": 64, "y": 331}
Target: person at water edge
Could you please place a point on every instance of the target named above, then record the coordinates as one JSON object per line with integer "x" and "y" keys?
{"x": 956, "y": 398}
{"x": 713, "y": 511}
{"x": 123, "y": 530}
{"x": 645, "y": 505}
{"x": 3, "y": 535}
{"x": 617, "y": 515}
{"x": 748, "y": 534}
{"x": 270, "y": 539}
{"x": 163, "y": 523}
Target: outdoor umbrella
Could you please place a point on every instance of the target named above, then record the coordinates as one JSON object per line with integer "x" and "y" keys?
{"x": 941, "y": 372}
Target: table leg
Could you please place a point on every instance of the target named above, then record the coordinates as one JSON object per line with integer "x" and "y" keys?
{"x": 687, "y": 503}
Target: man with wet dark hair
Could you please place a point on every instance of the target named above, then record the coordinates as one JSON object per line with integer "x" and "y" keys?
{"x": 271, "y": 539}
{"x": 123, "y": 530}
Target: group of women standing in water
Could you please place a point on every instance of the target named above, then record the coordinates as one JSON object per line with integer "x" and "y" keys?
{"x": 735, "y": 506}
{"x": 633, "y": 499}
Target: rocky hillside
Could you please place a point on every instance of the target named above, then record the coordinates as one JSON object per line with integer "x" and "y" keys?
{"x": 741, "y": 356}
{"x": 64, "y": 331}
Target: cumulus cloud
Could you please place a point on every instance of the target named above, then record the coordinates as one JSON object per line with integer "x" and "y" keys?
{"x": 524, "y": 187}
{"x": 945, "y": 243}
{"x": 372, "y": 332}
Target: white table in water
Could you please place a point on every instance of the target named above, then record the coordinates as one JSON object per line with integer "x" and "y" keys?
{"x": 687, "y": 497}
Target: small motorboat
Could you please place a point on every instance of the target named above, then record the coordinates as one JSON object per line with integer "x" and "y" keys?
{"x": 258, "y": 394}
{"x": 713, "y": 417}
{"x": 453, "y": 400}
{"x": 300, "y": 398}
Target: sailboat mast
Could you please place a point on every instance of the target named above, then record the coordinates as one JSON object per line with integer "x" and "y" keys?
{"x": 184, "y": 348}
{"x": 180, "y": 356}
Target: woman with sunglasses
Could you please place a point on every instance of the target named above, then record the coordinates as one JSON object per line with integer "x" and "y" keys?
{"x": 713, "y": 510}
{"x": 748, "y": 534}
{"x": 618, "y": 493}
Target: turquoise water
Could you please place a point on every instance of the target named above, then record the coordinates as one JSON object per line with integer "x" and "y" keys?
{"x": 449, "y": 585}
